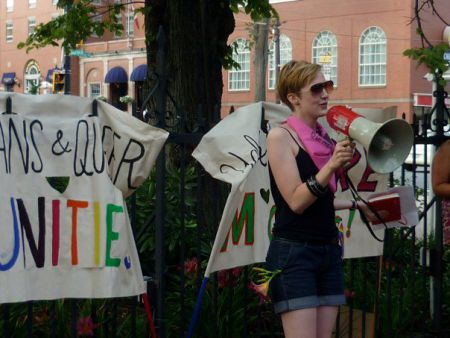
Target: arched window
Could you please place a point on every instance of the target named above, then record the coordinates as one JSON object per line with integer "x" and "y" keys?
{"x": 32, "y": 78}
{"x": 285, "y": 56}
{"x": 372, "y": 57}
{"x": 324, "y": 52}
{"x": 239, "y": 79}
{"x": 94, "y": 83}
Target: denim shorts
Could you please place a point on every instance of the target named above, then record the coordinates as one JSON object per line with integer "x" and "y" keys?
{"x": 311, "y": 275}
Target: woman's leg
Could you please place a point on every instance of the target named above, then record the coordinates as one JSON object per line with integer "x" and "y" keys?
{"x": 326, "y": 320}
{"x": 300, "y": 323}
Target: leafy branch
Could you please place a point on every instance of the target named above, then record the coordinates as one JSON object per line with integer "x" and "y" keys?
{"x": 257, "y": 9}
{"x": 79, "y": 22}
{"x": 432, "y": 56}
{"x": 83, "y": 19}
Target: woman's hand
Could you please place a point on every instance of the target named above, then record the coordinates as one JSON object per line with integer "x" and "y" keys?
{"x": 343, "y": 154}
{"x": 370, "y": 216}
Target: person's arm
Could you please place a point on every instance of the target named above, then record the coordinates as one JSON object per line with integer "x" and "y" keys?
{"x": 344, "y": 204}
{"x": 281, "y": 151}
{"x": 352, "y": 204}
{"x": 440, "y": 173}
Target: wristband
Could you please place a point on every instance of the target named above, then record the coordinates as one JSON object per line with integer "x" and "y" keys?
{"x": 315, "y": 188}
{"x": 354, "y": 205}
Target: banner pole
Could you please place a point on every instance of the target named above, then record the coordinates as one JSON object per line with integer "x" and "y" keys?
{"x": 198, "y": 304}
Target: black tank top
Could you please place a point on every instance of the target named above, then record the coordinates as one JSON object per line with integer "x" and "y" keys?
{"x": 317, "y": 222}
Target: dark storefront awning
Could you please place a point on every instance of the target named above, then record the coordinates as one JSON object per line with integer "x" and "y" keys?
{"x": 8, "y": 78}
{"x": 116, "y": 75}
{"x": 139, "y": 73}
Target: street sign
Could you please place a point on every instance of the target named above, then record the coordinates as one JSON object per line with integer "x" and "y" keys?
{"x": 80, "y": 53}
{"x": 447, "y": 55}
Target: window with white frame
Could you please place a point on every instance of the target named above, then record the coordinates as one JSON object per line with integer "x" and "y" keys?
{"x": 54, "y": 2}
{"x": 239, "y": 79}
{"x": 32, "y": 76}
{"x": 94, "y": 90}
{"x": 372, "y": 57}
{"x": 9, "y": 31}
{"x": 9, "y": 5}
{"x": 130, "y": 24}
{"x": 285, "y": 57}
{"x": 32, "y": 3}
{"x": 31, "y": 25}
{"x": 325, "y": 53}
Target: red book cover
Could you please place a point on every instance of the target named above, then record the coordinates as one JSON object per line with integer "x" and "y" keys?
{"x": 387, "y": 206}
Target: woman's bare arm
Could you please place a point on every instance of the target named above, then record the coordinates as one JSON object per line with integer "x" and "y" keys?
{"x": 342, "y": 204}
{"x": 284, "y": 169}
{"x": 282, "y": 151}
{"x": 440, "y": 172}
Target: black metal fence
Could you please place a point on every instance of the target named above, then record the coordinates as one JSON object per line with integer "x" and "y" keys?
{"x": 404, "y": 293}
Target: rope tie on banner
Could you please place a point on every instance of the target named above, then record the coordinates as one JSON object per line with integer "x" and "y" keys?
{"x": 94, "y": 109}
{"x": 8, "y": 107}
{"x": 357, "y": 197}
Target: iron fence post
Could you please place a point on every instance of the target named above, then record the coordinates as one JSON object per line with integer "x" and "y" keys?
{"x": 6, "y": 319}
{"x": 161, "y": 100}
{"x": 439, "y": 124}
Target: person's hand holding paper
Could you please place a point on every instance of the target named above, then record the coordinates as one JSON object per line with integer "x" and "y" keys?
{"x": 396, "y": 208}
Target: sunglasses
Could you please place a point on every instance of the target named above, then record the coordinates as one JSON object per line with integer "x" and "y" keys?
{"x": 318, "y": 87}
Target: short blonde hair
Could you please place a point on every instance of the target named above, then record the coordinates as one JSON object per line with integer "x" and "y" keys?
{"x": 294, "y": 76}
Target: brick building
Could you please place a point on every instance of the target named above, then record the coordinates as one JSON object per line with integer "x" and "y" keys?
{"x": 105, "y": 67}
{"x": 116, "y": 66}
{"x": 21, "y": 71}
{"x": 360, "y": 44}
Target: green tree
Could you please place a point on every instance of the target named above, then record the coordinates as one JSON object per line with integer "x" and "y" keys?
{"x": 197, "y": 33}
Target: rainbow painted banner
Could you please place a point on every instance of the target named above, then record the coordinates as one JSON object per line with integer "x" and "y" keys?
{"x": 64, "y": 173}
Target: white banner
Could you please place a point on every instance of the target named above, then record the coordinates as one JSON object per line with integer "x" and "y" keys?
{"x": 234, "y": 151}
{"x": 65, "y": 231}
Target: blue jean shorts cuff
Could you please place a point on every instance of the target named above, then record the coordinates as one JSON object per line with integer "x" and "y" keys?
{"x": 308, "y": 302}
{"x": 331, "y": 300}
{"x": 296, "y": 304}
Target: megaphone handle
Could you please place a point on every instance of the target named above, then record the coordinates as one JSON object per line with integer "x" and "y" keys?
{"x": 349, "y": 138}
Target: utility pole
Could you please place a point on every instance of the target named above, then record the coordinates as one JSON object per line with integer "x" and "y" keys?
{"x": 276, "y": 41}
{"x": 67, "y": 66}
{"x": 261, "y": 33}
